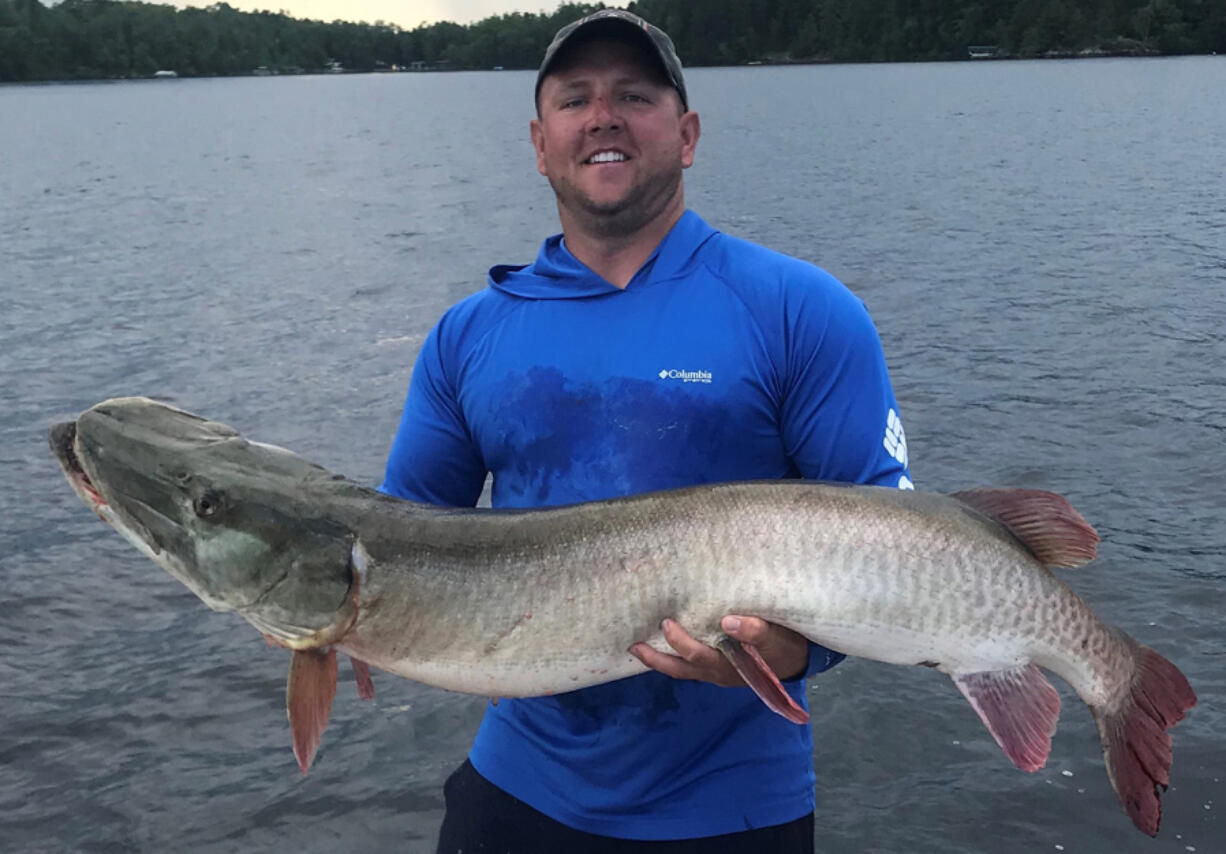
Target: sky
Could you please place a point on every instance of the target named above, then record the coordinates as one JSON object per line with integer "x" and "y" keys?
{"x": 406, "y": 13}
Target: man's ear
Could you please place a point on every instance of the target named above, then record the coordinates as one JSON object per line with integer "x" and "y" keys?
{"x": 538, "y": 142}
{"x": 691, "y": 129}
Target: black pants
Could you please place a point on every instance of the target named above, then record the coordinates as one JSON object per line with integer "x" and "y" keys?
{"x": 483, "y": 818}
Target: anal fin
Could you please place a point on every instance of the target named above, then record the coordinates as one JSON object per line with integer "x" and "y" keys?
{"x": 1019, "y": 707}
{"x": 308, "y": 700}
{"x": 758, "y": 676}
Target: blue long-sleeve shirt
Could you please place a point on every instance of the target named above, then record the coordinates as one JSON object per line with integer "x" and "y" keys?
{"x": 721, "y": 360}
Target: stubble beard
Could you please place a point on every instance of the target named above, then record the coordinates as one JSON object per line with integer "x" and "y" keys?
{"x": 626, "y": 216}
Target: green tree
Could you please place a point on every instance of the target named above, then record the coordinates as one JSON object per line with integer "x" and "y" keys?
{"x": 1160, "y": 23}
{"x": 106, "y": 38}
{"x": 806, "y": 41}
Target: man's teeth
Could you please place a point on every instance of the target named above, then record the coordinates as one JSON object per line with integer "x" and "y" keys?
{"x": 607, "y": 157}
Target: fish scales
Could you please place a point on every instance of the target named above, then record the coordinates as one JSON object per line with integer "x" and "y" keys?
{"x": 526, "y": 603}
{"x": 551, "y": 601}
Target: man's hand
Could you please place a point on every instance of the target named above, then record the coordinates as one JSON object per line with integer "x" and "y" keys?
{"x": 785, "y": 651}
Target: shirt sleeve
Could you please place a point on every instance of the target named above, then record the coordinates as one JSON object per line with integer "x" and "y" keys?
{"x": 840, "y": 421}
{"x": 433, "y": 458}
{"x": 839, "y": 417}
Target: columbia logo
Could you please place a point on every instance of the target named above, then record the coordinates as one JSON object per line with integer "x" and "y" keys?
{"x": 895, "y": 440}
{"x": 686, "y": 376}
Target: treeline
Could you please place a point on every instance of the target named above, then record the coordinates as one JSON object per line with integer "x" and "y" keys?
{"x": 734, "y": 32}
{"x": 82, "y": 39}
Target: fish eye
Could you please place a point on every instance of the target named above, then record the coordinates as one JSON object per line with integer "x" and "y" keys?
{"x": 208, "y": 504}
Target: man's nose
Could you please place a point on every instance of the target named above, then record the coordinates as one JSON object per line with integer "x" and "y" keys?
{"x": 603, "y": 116}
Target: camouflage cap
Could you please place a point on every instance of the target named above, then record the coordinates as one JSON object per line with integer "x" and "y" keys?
{"x": 619, "y": 23}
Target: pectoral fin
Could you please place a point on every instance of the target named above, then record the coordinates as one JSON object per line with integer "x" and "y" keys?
{"x": 758, "y": 676}
{"x": 361, "y": 675}
{"x": 308, "y": 700}
{"x": 1019, "y": 707}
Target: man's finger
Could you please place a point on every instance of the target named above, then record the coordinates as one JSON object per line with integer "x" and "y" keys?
{"x": 695, "y": 660}
{"x": 684, "y": 643}
{"x": 785, "y": 651}
{"x": 752, "y": 630}
{"x": 669, "y": 665}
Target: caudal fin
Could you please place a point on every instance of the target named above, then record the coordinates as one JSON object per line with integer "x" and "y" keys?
{"x": 1135, "y": 742}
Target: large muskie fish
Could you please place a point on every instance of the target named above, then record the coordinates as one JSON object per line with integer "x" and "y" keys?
{"x": 544, "y": 601}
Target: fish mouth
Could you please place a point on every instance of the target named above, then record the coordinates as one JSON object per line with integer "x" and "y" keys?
{"x": 64, "y": 446}
{"x": 140, "y": 520}
{"x": 154, "y": 534}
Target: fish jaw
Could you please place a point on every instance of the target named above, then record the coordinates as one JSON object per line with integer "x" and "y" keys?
{"x": 63, "y": 446}
{"x": 63, "y": 440}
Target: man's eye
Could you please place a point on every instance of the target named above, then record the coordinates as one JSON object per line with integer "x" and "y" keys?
{"x": 572, "y": 103}
{"x": 634, "y": 96}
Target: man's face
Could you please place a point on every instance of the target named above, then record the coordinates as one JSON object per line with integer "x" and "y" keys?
{"x": 612, "y": 138}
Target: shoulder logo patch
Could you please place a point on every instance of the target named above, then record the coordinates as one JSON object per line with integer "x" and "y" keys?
{"x": 895, "y": 440}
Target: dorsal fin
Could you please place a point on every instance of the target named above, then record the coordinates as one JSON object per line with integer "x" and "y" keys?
{"x": 1045, "y": 523}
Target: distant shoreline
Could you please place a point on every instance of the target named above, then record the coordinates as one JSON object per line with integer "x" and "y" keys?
{"x": 326, "y": 72}
{"x": 82, "y": 40}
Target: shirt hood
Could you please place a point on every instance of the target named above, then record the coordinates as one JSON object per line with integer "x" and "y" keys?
{"x": 557, "y": 274}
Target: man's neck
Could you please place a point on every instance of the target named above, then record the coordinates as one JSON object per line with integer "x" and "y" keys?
{"x": 616, "y": 258}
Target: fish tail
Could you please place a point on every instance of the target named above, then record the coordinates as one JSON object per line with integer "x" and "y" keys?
{"x": 1136, "y": 745}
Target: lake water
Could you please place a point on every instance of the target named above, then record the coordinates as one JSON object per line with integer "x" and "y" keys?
{"x": 1042, "y": 245}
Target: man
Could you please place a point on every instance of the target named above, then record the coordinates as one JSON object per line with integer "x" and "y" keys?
{"x": 641, "y": 350}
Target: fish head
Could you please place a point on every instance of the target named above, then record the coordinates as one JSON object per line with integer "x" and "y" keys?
{"x": 238, "y": 522}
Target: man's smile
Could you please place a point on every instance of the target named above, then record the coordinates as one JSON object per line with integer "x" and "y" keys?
{"x": 609, "y": 155}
